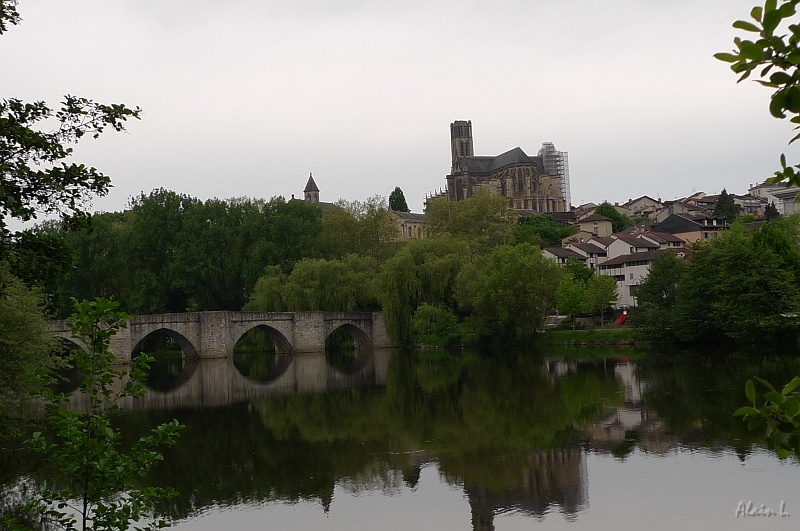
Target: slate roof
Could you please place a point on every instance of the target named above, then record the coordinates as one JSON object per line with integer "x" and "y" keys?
{"x": 635, "y": 257}
{"x": 594, "y": 217}
{"x": 632, "y": 201}
{"x": 411, "y": 216}
{"x": 665, "y": 236}
{"x": 633, "y": 241}
{"x": 677, "y": 223}
{"x": 560, "y": 252}
{"x": 490, "y": 164}
{"x": 603, "y": 241}
{"x": 590, "y": 248}
{"x": 311, "y": 186}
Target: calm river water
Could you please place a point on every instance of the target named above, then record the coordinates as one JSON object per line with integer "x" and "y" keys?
{"x": 566, "y": 439}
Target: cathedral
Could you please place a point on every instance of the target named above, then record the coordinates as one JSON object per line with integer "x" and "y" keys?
{"x": 539, "y": 183}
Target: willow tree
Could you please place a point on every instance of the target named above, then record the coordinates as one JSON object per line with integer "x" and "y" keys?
{"x": 423, "y": 271}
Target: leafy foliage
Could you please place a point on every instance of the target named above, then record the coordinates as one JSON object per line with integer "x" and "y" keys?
{"x": 657, "y": 295}
{"x": 736, "y": 288}
{"x": 423, "y": 271}
{"x": 541, "y": 230}
{"x": 571, "y": 296}
{"x": 510, "y": 292}
{"x": 774, "y": 57}
{"x": 601, "y": 293}
{"x": 619, "y": 222}
{"x": 9, "y": 16}
{"x": 435, "y": 325}
{"x": 318, "y": 285}
{"x": 397, "y": 201}
{"x": 171, "y": 253}
{"x": 483, "y": 220}
{"x": 35, "y": 178}
{"x": 780, "y": 414}
{"x": 25, "y": 343}
{"x": 725, "y": 207}
{"x": 771, "y": 212}
{"x": 98, "y": 478}
{"x": 360, "y": 227}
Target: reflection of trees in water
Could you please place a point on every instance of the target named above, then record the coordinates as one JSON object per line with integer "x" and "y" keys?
{"x": 693, "y": 397}
{"x": 256, "y": 357}
{"x": 507, "y": 428}
{"x": 484, "y": 422}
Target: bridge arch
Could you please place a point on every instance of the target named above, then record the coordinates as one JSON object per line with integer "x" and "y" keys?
{"x": 189, "y": 350}
{"x": 282, "y": 345}
{"x": 361, "y": 338}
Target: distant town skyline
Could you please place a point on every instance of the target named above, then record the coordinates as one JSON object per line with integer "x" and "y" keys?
{"x": 247, "y": 98}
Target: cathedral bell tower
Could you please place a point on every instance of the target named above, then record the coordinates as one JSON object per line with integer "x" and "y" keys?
{"x": 460, "y": 142}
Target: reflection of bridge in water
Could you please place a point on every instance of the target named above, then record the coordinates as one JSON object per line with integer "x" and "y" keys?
{"x": 217, "y": 382}
{"x": 215, "y": 334}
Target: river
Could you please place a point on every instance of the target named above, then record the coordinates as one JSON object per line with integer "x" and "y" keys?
{"x": 557, "y": 439}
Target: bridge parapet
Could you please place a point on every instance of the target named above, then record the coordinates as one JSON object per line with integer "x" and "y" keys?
{"x": 215, "y": 334}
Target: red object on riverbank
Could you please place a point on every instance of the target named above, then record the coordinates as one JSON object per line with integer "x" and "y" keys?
{"x": 621, "y": 319}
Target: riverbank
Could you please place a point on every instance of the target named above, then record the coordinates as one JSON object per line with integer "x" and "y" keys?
{"x": 595, "y": 336}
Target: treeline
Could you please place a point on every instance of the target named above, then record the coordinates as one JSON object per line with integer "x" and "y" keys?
{"x": 479, "y": 274}
{"x": 169, "y": 252}
{"x": 741, "y": 286}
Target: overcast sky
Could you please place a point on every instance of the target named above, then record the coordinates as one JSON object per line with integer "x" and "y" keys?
{"x": 247, "y": 97}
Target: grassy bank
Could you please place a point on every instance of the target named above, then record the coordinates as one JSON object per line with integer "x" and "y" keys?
{"x": 595, "y": 336}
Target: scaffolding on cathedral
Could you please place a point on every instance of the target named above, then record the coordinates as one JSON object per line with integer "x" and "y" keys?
{"x": 556, "y": 163}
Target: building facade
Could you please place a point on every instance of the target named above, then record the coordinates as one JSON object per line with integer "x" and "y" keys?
{"x": 539, "y": 183}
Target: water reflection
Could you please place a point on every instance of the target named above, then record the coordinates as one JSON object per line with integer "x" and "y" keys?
{"x": 515, "y": 433}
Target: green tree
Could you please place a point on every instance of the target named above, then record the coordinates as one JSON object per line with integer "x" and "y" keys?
{"x": 725, "y": 207}
{"x": 570, "y": 297}
{"x": 25, "y": 343}
{"x": 657, "y": 296}
{"x": 360, "y": 227}
{"x": 737, "y": 289}
{"x": 100, "y": 490}
{"x": 772, "y": 55}
{"x": 422, "y": 271}
{"x": 484, "y": 220}
{"x": 771, "y": 212}
{"x": 435, "y": 325}
{"x": 397, "y": 201}
{"x": 578, "y": 270}
{"x": 601, "y": 293}
{"x": 541, "y": 230}
{"x": 619, "y": 222}
{"x": 509, "y": 292}
{"x": 345, "y": 285}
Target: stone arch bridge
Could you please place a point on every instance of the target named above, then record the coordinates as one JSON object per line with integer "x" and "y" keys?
{"x": 215, "y": 334}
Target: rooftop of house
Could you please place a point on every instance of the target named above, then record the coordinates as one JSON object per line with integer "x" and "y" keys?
{"x": 410, "y": 216}
{"x": 603, "y": 241}
{"x": 594, "y": 217}
{"x": 648, "y": 256}
{"x": 589, "y": 248}
{"x": 633, "y": 241}
{"x": 661, "y": 236}
{"x": 561, "y": 252}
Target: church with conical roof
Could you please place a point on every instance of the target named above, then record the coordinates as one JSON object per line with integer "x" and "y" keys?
{"x": 311, "y": 191}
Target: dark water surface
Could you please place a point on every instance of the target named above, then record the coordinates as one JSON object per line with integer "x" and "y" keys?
{"x": 567, "y": 439}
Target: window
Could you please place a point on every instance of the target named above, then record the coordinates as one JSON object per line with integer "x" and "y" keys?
{"x": 631, "y": 276}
